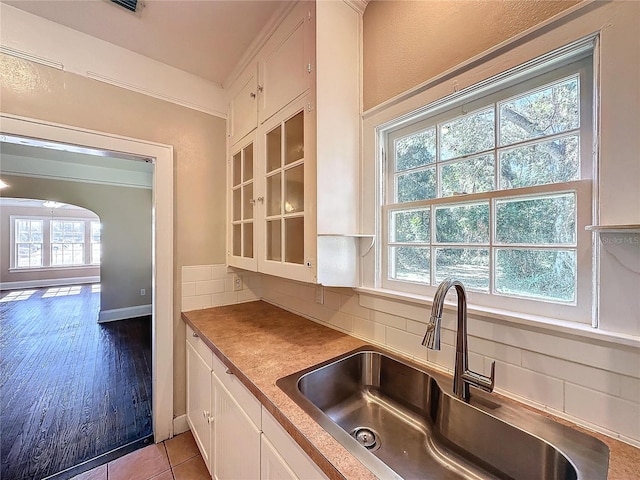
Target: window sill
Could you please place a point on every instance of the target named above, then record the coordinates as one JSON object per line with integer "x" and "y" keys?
{"x": 52, "y": 269}
{"x": 527, "y": 321}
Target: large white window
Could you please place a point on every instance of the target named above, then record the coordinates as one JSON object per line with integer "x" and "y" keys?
{"x": 67, "y": 242}
{"x": 493, "y": 186}
{"x": 28, "y": 240}
{"x": 44, "y": 242}
{"x": 96, "y": 247}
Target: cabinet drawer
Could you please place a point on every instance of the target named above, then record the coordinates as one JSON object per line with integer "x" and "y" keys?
{"x": 196, "y": 342}
{"x": 240, "y": 393}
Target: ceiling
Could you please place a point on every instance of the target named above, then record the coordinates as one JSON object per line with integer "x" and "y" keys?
{"x": 206, "y": 38}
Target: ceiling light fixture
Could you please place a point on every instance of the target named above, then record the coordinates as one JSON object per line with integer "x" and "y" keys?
{"x": 51, "y": 204}
{"x": 3, "y": 184}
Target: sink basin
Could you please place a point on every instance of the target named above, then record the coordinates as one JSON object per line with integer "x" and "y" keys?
{"x": 399, "y": 420}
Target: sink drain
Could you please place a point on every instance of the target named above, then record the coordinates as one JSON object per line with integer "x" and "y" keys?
{"x": 366, "y": 437}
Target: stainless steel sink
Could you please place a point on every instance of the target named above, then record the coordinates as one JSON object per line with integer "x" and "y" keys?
{"x": 397, "y": 419}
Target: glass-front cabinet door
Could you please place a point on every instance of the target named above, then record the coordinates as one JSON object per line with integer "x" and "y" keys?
{"x": 287, "y": 156}
{"x": 242, "y": 202}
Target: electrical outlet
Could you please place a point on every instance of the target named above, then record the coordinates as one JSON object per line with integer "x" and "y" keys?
{"x": 143, "y": 292}
{"x": 320, "y": 294}
{"x": 237, "y": 283}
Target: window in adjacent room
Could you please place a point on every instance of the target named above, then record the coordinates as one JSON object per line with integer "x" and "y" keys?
{"x": 28, "y": 237}
{"x": 96, "y": 248}
{"x": 67, "y": 242}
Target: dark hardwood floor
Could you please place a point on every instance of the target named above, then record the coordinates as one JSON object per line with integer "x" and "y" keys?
{"x": 70, "y": 389}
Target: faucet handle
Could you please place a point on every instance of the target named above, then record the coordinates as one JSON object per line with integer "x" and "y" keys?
{"x": 481, "y": 381}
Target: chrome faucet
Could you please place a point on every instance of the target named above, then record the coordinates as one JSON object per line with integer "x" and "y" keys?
{"x": 462, "y": 376}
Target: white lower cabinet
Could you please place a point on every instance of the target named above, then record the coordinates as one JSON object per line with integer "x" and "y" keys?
{"x": 237, "y": 436}
{"x": 272, "y": 465}
{"x": 290, "y": 458}
{"x": 199, "y": 401}
{"x": 236, "y": 444}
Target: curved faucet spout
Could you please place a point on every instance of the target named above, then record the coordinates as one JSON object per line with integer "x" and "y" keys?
{"x": 462, "y": 376}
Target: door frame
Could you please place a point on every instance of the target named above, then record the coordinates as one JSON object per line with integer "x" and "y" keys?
{"x": 162, "y": 243}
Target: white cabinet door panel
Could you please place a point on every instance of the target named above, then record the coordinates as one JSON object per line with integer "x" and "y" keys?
{"x": 237, "y": 440}
{"x": 272, "y": 465}
{"x": 199, "y": 401}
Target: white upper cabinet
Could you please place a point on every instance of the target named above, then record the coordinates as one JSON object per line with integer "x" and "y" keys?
{"x": 286, "y": 64}
{"x": 306, "y": 149}
{"x": 242, "y": 204}
{"x": 243, "y": 105}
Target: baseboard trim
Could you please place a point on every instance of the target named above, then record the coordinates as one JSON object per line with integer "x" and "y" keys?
{"x": 50, "y": 282}
{"x": 122, "y": 313}
{"x": 180, "y": 424}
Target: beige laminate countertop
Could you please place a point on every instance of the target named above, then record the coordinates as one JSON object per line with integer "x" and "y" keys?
{"x": 261, "y": 343}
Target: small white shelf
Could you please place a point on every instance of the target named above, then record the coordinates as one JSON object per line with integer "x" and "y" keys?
{"x": 626, "y": 228}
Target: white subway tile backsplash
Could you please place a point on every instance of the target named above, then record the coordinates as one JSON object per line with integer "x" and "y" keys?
{"x": 219, "y": 272}
{"x": 614, "y": 413}
{"x": 532, "y": 385}
{"x": 417, "y": 328}
{"x": 625, "y": 360}
{"x": 370, "y": 330}
{"x": 394, "y": 307}
{"x": 387, "y": 319}
{"x": 210, "y": 286}
{"x": 188, "y": 289}
{"x": 594, "y": 378}
{"x": 630, "y": 388}
{"x": 196, "y": 273}
{"x": 332, "y": 300}
{"x": 341, "y": 320}
{"x": 196, "y": 303}
{"x": 444, "y": 358}
{"x": 226, "y": 298}
{"x": 351, "y": 305}
{"x": 496, "y": 351}
{"x": 405, "y": 342}
{"x": 247, "y": 296}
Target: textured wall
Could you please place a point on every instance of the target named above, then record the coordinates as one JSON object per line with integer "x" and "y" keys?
{"x": 409, "y": 42}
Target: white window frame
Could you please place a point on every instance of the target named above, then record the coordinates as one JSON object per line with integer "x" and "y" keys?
{"x": 47, "y": 243}
{"x": 74, "y": 245}
{"x": 92, "y": 259}
{"x": 539, "y": 71}
{"x": 14, "y": 243}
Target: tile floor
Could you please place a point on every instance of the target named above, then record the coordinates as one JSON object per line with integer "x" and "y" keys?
{"x": 174, "y": 459}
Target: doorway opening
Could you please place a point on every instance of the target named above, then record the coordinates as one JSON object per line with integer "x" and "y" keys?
{"x": 108, "y": 147}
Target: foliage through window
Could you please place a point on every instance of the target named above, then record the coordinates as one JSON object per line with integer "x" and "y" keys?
{"x": 489, "y": 188}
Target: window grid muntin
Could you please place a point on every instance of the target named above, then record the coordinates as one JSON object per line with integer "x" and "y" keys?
{"x": 531, "y": 92}
{"x": 18, "y": 244}
{"x": 96, "y": 243}
{"x": 67, "y": 241}
{"x": 534, "y": 192}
